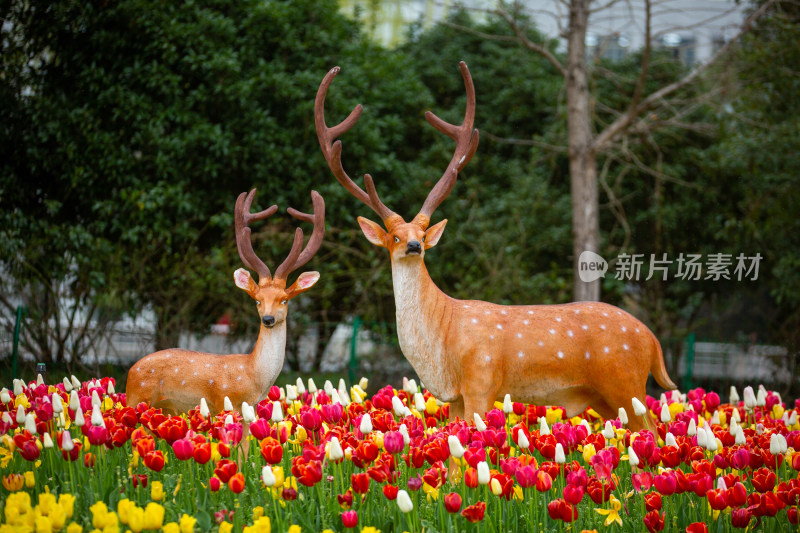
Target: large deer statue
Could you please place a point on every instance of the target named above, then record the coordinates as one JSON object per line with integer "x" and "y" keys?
{"x": 177, "y": 379}
{"x": 471, "y": 353}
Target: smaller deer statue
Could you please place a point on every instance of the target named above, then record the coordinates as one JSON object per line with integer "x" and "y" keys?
{"x": 471, "y": 353}
{"x": 175, "y": 379}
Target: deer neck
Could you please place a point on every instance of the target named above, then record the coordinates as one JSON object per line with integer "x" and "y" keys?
{"x": 267, "y": 357}
{"x": 421, "y": 309}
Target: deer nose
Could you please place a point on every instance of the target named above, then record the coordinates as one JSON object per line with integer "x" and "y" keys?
{"x": 268, "y": 320}
{"x": 413, "y": 247}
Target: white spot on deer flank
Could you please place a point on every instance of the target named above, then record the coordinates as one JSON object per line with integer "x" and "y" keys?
{"x": 503, "y": 312}
{"x": 585, "y": 327}
{"x": 541, "y": 343}
{"x": 191, "y": 360}
{"x": 169, "y": 355}
{"x": 224, "y": 366}
{"x": 486, "y": 312}
{"x": 465, "y": 306}
{"x": 224, "y": 385}
{"x": 474, "y": 320}
{"x": 488, "y": 358}
{"x": 605, "y": 314}
{"x": 605, "y": 349}
{"x": 561, "y": 355}
{"x": 552, "y": 331}
{"x": 637, "y": 330}
{"x": 558, "y": 319}
{"x": 491, "y": 337}
{"x": 499, "y": 326}
{"x": 624, "y": 329}
{"x": 239, "y": 378}
{"x": 519, "y": 335}
{"x": 208, "y": 365}
{"x": 587, "y": 355}
{"x": 520, "y": 355}
{"x": 602, "y": 326}
{"x": 210, "y": 381}
{"x": 526, "y": 322}
{"x": 619, "y": 313}
{"x": 530, "y": 312}
{"x": 569, "y": 332}
{"x": 625, "y": 346}
{"x": 176, "y": 369}
{"x": 152, "y": 370}
{"x": 142, "y": 383}
{"x": 195, "y": 373}
{"x": 577, "y": 311}
{"x": 183, "y": 382}
{"x": 241, "y": 367}
{"x": 161, "y": 382}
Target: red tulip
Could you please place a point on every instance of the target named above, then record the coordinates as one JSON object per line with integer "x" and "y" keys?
{"x": 697, "y": 527}
{"x": 172, "y": 429}
{"x": 652, "y": 501}
{"x": 526, "y": 476}
{"x": 573, "y": 494}
{"x": 740, "y": 518}
{"x": 763, "y": 480}
{"x": 202, "y": 453}
{"x": 543, "y": 481}
{"x": 97, "y": 435}
{"x": 360, "y": 483}
{"x": 793, "y": 515}
{"x": 654, "y": 521}
{"x": 139, "y": 479}
{"x": 225, "y": 469}
{"x": 154, "y": 460}
{"x": 89, "y": 460}
{"x": 289, "y": 494}
{"x": 214, "y": 484}
{"x": 642, "y": 482}
{"x": 562, "y": 510}
{"x": 260, "y": 428}
{"x": 390, "y": 491}
{"x": 28, "y": 450}
{"x": 471, "y": 478}
{"x": 349, "y": 519}
{"x": 271, "y": 451}
{"x": 143, "y": 445}
{"x": 474, "y": 513}
{"x": 308, "y": 473}
{"x": 236, "y": 483}
{"x": 346, "y": 499}
{"x": 452, "y": 502}
{"x": 717, "y": 499}
{"x": 736, "y": 495}
{"x": 599, "y": 491}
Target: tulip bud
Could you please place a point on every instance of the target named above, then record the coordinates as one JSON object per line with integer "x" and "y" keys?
{"x": 19, "y": 387}
{"x": 456, "y": 449}
{"x": 761, "y": 397}
{"x": 676, "y": 396}
{"x": 268, "y": 476}
{"x": 335, "y": 398}
{"x": 633, "y": 459}
{"x": 784, "y": 445}
{"x": 608, "y": 430}
{"x": 6, "y": 418}
{"x": 774, "y": 444}
{"x": 419, "y": 402}
{"x": 734, "y": 427}
{"x": 508, "y": 407}
{"x": 759, "y": 428}
{"x": 479, "y": 424}
{"x": 702, "y": 438}
{"x": 74, "y": 401}
{"x": 740, "y": 438}
{"x": 397, "y": 406}
{"x": 228, "y": 419}
{"x": 484, "y": 476}
{"x": 366, "y": 424}
{"x": 30, "y": 423}
{"x": 404, "y": 432}
{"x": 363, "y": 383}
{"x": 58, "y": 406}
{"x": 749, "y": 398}
{"x": 97, "y": 416}
{"x": 544, "y": 429}
{"x": 111, "y": 389}
{"x": 585, "y": 423}
{"x": 204, "y": 412}
{"x": 622, "y": 414}
{"x": 410, "y": 386}
{"x": 404, "y": 501}
{"x": 5, "y": 397}
{"x": 342, "y": 384}
{"x": 721, "y": 484}
{"x": 715, "y": 418}
{"x": 76, "y": 384}
{"x": 711, "y": 444}
{"x": 733, "y": 396}
{"x": 692, "y": 429}
{"x": 301, "y": 387}
{"x": 560, "y": 457}
{"x": 67, "y": 385}
{"x": 248, "y": 413}
{"x": 66, "y": 442}
{"x": 47, "y": 441}
{"x": 335, "y": 451}
{"x": 20, "y": 415}
{"x": 291, "y": 393}
{"x": 736, "y": 416}
{"x": 39, "y": 380}
{"x": 312, "y": 387}
{"x": 669, "y": 440}
{"x": 522, "y": 441}
{"x": 277, "y": 412}
{"x": 226, "y": 404}
{"x": 666, "y": 416}
{"x": 638, "y": 407}
{"x": 792, "y": 419}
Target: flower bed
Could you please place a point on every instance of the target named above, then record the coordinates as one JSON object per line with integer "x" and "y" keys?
{"x": 74, "y": 457}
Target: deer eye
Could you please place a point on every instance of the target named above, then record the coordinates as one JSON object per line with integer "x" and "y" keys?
{"x": 397, "y": 239}
{"x": 423, "y": 238}
{"x": 284, "y": 302}
{"x": 258, "y": 303}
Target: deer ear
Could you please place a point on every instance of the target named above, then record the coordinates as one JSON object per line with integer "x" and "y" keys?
{"x": 434, "y": 233}
{"x": 302, "y": 284}
{"x": 243, "y": 280}
{"x": 373, "y": 232}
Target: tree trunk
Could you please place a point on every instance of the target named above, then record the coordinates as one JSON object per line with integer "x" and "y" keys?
{"x": 168, "y": 329}
{"x": 582, "y": 159}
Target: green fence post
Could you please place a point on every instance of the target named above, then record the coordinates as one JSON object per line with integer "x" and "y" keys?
{"x": 351, "y": 366}
{"x": 688, "y": 377}
{"x": 15, "y": 347}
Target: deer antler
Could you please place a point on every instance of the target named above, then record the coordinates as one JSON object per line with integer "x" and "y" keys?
{"x": 333, "y": 152}
{"x": 242, "y": 219}
{"x": 466, "y": 143}
{"x": 296, "y": 258}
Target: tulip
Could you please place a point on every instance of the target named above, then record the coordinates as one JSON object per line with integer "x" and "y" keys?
{"x": 479, "y": 423}
{"x": 277, "y": 412}
{"x": 522, "y": 441}
{"x": 452, "y": 502}
{"x": 761, "y": 397}
{"x": 79, "y": 420}
{"x": 312, "y": 387}
{"x": 75, "y": 383}
{"x": 669, "y": 440}
{"x": 456, "y": 449}
{"x": 360, "y": 482}
{"x": 67, "y": 385}
{"x": 475, "y": 512}
{"x": 30, "y": 423}
{"x": 749, "y": 398}
{"x": 410, "y": 386}
{"x": 393, "y": 441}
{"x": 20, "y": 415}
{"x": 508, "y": 407}
{"x": 398, "y": 407}
{"x": 484, "y": 475}
{"x": 300, "y": 386}
{"x": 560, "y": 458}
{"x": 66, "y": 442}
{"x": 268, "y": 476}
{"x": 204, "y": 412}
{"x": 58, "y": 405}
{"x": 349, "y": 519}
{"x": 404, "y": 432}
{"x": 248, "y": 413}
{"x": 291, "y": 393}
{"x": 666, "y": 416}
{"x": 47, "y": 441}
{"x": 632, "y": 457}
{"x": 228, "y": 419}
{"x": 733, "y": 396}
{"x": 608, "y": 430}
{"x": 335, "y": 449}
{"x": 236, "y": 483}
{"x": 714, "y": 419}
{"x": 544, "y": 429}
{"x": 404, "y": 501}
{"x": 366, "y": 424}
{"x": 419, "y": 402}
{"x": 74, "y": 401}
{"x": 183, "y": 448}
{"x": 97, "y": 416}
{"x": 18, "y": 387}
{"x": 5, "y": 397}
{"x": 740, "y": 518}
{"x": 638, "y": 408}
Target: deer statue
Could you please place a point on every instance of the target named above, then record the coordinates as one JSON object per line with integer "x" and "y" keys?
{"x": 175, "y": 379}
{"x": 471, "y": 353}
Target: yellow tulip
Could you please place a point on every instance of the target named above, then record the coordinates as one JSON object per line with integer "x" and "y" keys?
{"x": 74, "y": 528}
{"x": 99, "y": 512}
{"x": 42, "y": 525}
{"x": 23, "y": 401}
{"x": 124, "y": 508}
{"x": 431, "y": 406}
{"x": 296, "y": 529}
{"x": 262, "y": 525}
{"x": 153, "y": 516}
{"x": 30, "y": 479}
{"x": 187, "y": 523}
{"x": 225, "y": 527}
{"x": 171, "y": 527}
{"x": 67, "y": 503}
{"x": 57, "y": 517}
{"x": 156, "y": 491}
{"x": 258, "y": 512}
{"x": 136, "y": 519}
{"x": 588, "y": 452}
{"x": 277, "y": 471}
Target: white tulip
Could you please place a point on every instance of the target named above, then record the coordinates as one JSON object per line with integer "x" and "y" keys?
{"x": 95, "y": 398}
{"x": 734, "y": 427}
{"x": 328, "y": 387}
{"x": 419, "y": 402}
{"x": 585, "y": 424}
{"x": 335, "y": 451}
{"x": 228, "y": 419}
{"x": 774, "y": 444}
{"x": 342, "y": 384}
{"x": 268, "y": 476}
{"x": 715, "y": 418}
{"x": 6, "y": 418}
{"x": 74, "y": 401}
{"x": 366, "y": 424}
{"x": 522, "y": 441}
{"x": 740, "y": 438}
{"x": 702, "y": 438}
{"x": 76, "y": 384}
{"x": 721, "y": 484}
{"x": 633, "y": 459}
{"x": 58, "y": 406}
{"x": 335, "y": 398}
{"x": 404, "y": 432}
{"x": 410, "y": 386}
{"x": 711, "y": 444}
{"x": 622, "y": 414}
{"x": 97, "y": 416}
{"x": 761, "y": 397}
{"x": 484, "y": 476}
{"x": 560, "y": 457}
{"x": 736, "y": 416}
{"x": 508, "y": 407}
{"x": 792, "y": 419}
{"x": 39, "y": 380}
{"x": 19, "y": 387}
{"x": 20, "y": 414}
{"x": 248, "y": 413}
{"x": 397, "y": 406}
{"x": 30, "y": 423}
{"x": 301, "y": 387}
{"x": 608, "y": 430}
{"x": 66, "y": 442}
{"x": 544, "y": 429}
{"x": 404, "y": 501}
{"x": 277, "y": 412}
{"x": 67, "y": 385}
{"x": 749, "y": 398}
{"x": 480, "y": 425}
{"x": 79, "y": 421}
{"x": 47, "y": 441}
{"x": 111, "y": 389}
{"x": 692, "y": 429}
{"x": 456, "y": 449}
{"x": 204, "y": 412}
{"x": 669, "y": 440}
{"x": 5, "y": 397}
{"x": 733, "y": 396}
{"x": 227, "y": 405}
{"x": 638, "y": 407}
{"x": 312, "y": 387}
{"x": 666, "y": 416}
{"x": 363, "y": 383}
{"x": 291, "y": 393}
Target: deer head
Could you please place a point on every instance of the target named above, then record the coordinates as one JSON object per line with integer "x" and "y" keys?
{"x": 404, "y": 240}
{"x": 270, "y": 293}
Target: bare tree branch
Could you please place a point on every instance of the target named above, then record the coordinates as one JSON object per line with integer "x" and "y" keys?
{"x": 622, "y": 123}
{"x": 530, "y": 45}
{"x": 524, "y": 142}
{"x": 477, "y": 33}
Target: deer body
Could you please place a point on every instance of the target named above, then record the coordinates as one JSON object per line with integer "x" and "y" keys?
{"x": 176, "y": 380}
{"x": 470, "y": 352}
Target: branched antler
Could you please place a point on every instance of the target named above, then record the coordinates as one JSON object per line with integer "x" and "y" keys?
{"x": 242, "y": 219}
{"x": 296, "y": 258}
